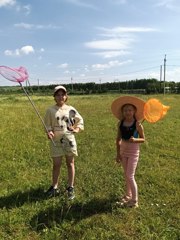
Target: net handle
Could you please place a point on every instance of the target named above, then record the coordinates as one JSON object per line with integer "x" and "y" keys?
{"x": 37, "y": 112}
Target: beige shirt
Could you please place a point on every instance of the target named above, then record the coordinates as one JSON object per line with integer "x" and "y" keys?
{"x": 61, "y": 119}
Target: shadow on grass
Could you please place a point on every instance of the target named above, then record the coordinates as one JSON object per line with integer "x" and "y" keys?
{"x": 72, "y": 212}
{"x": 18, "y": 198}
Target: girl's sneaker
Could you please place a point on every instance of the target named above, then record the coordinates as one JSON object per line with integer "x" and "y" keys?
{"x": 131, "y": 203}
{"x": 123, "y": 200}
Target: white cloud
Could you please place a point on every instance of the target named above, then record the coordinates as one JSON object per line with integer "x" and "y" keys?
{"x": 124, "y": 31}
{"x": 35, "y": 27}
{"x": 82, "y": 75}
{"x": 42, "y": 50}
{"x": 164, "y": 3}
{"x": 118, "y": 1}
{"x": 26, "y": 9}
{"x": 7, "y": 3}
{"x": 116, "y": 40}
{"x": 8, "y": 52}
{"x": 111, "y": 54}
{"x": 109, "y": 65}
{"x": 24, "y": 25}
{"x": 66, "y": 72}
{"x": 86, "y": 69}
{"x": 169, "y": 4}
{"x": 63, "y": 65}
{"x": 81, "y": 3}
{"x": 110, "y": 44}
{"x": 25, "y": 50}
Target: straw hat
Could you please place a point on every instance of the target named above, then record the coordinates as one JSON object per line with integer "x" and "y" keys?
{"x": 57, "y": 88}
{"x": 119, "y": 102}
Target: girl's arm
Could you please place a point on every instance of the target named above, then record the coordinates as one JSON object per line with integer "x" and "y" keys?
{"x": 140, "y": 130}
{"x": 118, "y": 141}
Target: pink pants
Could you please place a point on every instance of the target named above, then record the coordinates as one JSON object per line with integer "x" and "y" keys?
{"x": 130, "y": 156}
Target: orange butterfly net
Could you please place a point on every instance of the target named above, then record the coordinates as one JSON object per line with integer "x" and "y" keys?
{"x": 154, "y": 110}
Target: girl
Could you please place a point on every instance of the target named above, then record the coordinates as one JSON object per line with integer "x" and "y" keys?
{"x": 129, "y": 110}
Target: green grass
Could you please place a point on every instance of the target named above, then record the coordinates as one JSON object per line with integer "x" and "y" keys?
{"x": 25, "y": 173}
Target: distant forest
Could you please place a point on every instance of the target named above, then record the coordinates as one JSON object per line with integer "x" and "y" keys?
{"x": 146, "y": 86}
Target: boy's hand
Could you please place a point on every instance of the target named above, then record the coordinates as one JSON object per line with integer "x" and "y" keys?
{"x": 75, "y": 130}
{"x": 50, "y": 134}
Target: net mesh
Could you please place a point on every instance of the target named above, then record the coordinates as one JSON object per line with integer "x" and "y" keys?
{"x": 154, "y": 110}
{"x": 14, "y": 74}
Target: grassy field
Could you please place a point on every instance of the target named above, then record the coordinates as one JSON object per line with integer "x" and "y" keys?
{"x": 25, "y": 173}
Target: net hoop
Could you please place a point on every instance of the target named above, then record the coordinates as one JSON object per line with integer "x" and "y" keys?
{"x": 154, "y": 110}
{"x": 14, "y": 74}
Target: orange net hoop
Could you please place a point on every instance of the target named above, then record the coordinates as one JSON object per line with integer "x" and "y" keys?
{"x": 165, "y": 109}
{"x": 154, "y": 110}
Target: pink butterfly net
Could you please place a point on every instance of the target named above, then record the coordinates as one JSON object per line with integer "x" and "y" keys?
{"x": 14, "y": 74}
{"x": 20, "y": 75}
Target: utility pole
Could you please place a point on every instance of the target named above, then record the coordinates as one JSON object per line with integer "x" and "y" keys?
{"x": 164, "y": 73}
{"x": 38, "y": 84}
{"x": 119, "y": 85}
{"x": 72, "y": 85}
{"x": 160, "y": 78}
{"x": 100, "y": 84}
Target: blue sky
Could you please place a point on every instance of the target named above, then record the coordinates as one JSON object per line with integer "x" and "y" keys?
{"x": 60, "y": 41}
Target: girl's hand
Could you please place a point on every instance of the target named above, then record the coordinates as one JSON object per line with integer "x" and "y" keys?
{"x": 50, "y": 134}
{"x": 118, "y": 159}
{"x": 132, "y": 139}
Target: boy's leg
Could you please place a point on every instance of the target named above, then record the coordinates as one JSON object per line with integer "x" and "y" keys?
{"x": 71, "y": 170}
{"x": 57, "y": 161}
{"x": 53, "y": 190}
{"x": 71, "y": 174}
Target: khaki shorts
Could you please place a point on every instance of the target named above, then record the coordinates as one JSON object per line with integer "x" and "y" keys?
{"x": 65, "y": 145}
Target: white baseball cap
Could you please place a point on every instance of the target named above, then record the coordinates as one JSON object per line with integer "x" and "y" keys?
{"x": 57, "y": 88}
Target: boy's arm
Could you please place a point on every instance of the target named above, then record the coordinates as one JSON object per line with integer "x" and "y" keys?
{"x": 79, "y": 122}
{"x": 48, "y": 123}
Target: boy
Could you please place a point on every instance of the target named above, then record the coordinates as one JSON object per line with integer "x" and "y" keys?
{"x": 57, "y": 120}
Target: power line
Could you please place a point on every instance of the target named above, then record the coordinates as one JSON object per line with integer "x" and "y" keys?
{"x": 141, "y": 70}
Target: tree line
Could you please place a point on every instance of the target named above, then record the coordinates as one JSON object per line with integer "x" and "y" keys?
{"x": 146, "y": 86}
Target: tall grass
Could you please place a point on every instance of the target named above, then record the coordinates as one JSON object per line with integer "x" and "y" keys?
{"x": 25, "y": 174}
